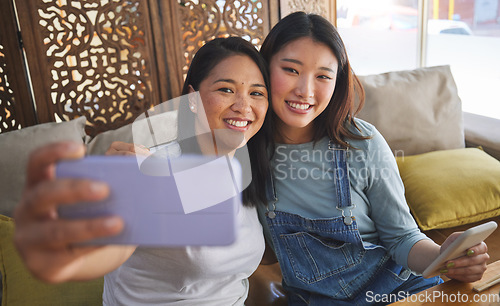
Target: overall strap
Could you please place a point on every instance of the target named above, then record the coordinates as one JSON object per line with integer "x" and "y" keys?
{"x": 271, "y": 195}
{"x": 342, "y": 181}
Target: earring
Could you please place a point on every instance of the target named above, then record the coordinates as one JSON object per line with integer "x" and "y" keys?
{"x": 191, "y": 107}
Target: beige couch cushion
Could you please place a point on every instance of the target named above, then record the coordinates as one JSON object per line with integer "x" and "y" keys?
{"x": 164, "y": 127}
{"x": 100, "y": 143}
{"x": 16, "y": 148}
{"x": 417, "y": 111}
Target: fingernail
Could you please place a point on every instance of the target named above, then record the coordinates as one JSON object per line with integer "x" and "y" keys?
{"x": 96, "y": 187}
{"x": 111, "y": 222}
{"x": 73, "y": 147}
{"x": 470, "y": 252}
{"x": 73, "y": 150}
{"x": 450, "y": 265}
{"x": 443, "y": 271}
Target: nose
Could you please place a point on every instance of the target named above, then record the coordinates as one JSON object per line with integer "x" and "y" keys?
{"x": 305, "y": 87}
{"x": 242, "y": 104}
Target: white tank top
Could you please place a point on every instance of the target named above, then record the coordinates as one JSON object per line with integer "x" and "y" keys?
{"x": 190, "y": 275}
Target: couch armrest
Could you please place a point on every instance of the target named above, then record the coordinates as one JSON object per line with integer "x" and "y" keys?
{"x": 482, "y": 131}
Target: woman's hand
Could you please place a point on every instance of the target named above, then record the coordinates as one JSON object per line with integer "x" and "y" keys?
{"x": 467, "y": 268}
{"x": 47, "y": 242}
{"x": 124, "y": 148}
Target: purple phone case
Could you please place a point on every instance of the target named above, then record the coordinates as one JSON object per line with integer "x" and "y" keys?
{"x": 151, "y": 205}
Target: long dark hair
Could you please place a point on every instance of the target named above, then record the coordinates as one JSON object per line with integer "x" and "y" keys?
{"x": 207, "y": 57}
{"x": 338, "y": 117}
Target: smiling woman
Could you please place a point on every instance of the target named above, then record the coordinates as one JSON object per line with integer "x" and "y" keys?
{"x": 303, "y": 83}
{"x": 326, "y": 219}
{"x": 232, "y": 81}
{"x": 232, "y": 99}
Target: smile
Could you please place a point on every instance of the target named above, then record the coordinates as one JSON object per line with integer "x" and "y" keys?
{"x": 237, "y": 123}
{"x": 298, "y": 106}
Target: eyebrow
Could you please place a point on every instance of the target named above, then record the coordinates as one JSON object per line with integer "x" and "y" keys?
{"x": 225, "y": 80}
{"x": 234, "y": 82}
{"x": 291, "y": 60}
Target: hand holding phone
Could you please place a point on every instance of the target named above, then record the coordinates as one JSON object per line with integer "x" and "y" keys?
{"x": 458, "y": 248}
{"x": 193, "y": 202}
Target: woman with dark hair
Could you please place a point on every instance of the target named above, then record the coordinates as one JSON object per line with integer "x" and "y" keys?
{"x": 201, "y": 66}
{"x": 231, "y": 78}
{"x": 336, "y": 216}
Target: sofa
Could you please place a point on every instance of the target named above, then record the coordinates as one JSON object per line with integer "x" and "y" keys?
{"x": 451, "y": 182}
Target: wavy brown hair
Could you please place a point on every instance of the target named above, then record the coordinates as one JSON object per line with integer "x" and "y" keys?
{"x": 337, "y": 120}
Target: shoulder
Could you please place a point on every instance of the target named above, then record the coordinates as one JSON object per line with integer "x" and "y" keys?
{"x": 363, "y": 128}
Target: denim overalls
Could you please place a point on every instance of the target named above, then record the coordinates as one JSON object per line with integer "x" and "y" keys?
{"x": 324, "y": 261}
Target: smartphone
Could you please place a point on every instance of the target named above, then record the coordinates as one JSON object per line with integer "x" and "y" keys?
{"x": 189, "y": 200}
{"x": 459, "y": 247}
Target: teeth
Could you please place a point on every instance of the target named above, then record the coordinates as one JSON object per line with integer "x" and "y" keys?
{"x": 299, "y": 105}
{"x": 237, "y": 123}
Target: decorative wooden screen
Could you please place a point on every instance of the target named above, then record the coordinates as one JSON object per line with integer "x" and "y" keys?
{"x": 325, "y": 8}
{"x": 205, "y": 20}
{"x": 92, "y": 58}
{"x": 16, "y": 108}
{"x": 111, "y": 60}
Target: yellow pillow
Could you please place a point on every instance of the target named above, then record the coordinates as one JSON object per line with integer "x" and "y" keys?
{"x": 21, "y": 288}
{"x": 451, "y": 187}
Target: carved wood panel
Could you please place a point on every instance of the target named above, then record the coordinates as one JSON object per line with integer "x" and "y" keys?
{"x": 92, "y": 58}
{"x": 325, "y": 8}
{"x": 110, "y": 60}
{"x": 16, "y": 108}
{"x": 204, "y": 20}
{"x": 9, "y": 117}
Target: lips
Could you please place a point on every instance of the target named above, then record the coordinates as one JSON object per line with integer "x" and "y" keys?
{"x": 298, "y": 107}
{"x": 237, "y": 124}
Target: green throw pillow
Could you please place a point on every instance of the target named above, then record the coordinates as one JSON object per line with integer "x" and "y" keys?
{"x": 451, "y": 187}
{"x": 21, "y": 288}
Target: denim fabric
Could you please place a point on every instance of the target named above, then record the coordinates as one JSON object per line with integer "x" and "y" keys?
{"x": 324, "y": 262}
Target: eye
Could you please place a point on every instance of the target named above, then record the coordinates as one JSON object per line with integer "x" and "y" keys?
{"x": 257, "y": 93}
{"x": 324, "y": 77}
{"x": 291, "y": 70}
{"x": 225, "y": 89}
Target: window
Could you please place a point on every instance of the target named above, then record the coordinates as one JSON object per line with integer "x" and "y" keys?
{"x": 386, "y": 35}
{"x": 380, "y": 36}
